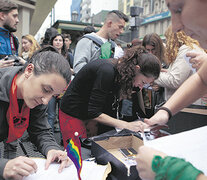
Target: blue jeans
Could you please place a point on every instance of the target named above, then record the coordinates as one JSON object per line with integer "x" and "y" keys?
{"x": 51, "y": 112}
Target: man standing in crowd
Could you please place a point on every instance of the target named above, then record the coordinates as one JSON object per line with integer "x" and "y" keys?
{"x": 68, "y": 41}
{"x": 70, "y": 57}
{"x": 8, "y": 24}
{"x": 8, "y": 46}
{"x": 87, "y": 50}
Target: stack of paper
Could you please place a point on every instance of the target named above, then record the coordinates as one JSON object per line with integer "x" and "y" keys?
{"x": 90, "y": 170}
{"x": 190, "y": 145}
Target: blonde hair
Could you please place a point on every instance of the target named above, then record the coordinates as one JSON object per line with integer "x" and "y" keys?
{"x": 175, "y": 41}
{"x": 34, "y": 47}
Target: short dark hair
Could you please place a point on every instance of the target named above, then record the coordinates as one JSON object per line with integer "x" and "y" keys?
{"x": 49, "y": 33}
{"x": 120, "y": 14}
{"x": 7, "y": 6}
{"x": 149, "y": 64}
{"x": 89, "y": 29}
{"x": 67, "y": 36}
{"x": 63, "y": 49}
{"x": 48, "y": 60}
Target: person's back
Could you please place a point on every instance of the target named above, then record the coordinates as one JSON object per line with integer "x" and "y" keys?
{"x": 86, "y": 50}
{"x": 178, "y": 44}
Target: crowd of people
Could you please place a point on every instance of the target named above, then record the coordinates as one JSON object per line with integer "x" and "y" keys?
{"x": 96, "y": 86}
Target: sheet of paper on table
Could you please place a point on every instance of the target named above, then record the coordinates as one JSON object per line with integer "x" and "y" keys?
{"x": 190, "y": 145}
{"x": 90, "y": 170}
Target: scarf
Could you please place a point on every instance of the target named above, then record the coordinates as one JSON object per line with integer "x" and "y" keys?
{"x": 18, "y": 120}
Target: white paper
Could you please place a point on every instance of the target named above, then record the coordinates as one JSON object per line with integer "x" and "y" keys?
{"x": 90, "y": 170}
{"x": 190, "y": 145}
{"x": 188, "y": 61}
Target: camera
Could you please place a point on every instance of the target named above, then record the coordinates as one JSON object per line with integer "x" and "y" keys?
{"x": 16, "y": 59}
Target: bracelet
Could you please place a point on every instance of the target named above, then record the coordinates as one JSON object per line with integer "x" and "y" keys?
{"x": 166, "y": 109}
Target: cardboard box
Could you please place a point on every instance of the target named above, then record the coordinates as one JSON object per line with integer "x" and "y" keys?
{"x": 107, "y": 149}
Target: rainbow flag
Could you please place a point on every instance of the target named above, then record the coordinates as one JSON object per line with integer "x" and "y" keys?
{"x": 74, "y": 153}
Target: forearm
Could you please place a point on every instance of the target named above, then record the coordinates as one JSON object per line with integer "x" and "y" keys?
{"x": 132, "y": 126}
{"x": 192, "y": 89}
{"x": 110, "y": 121}
{"x": 44, "y": 140}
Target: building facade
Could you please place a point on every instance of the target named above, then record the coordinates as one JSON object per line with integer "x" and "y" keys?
{"x": 76, "y": 7}
{"x": 156, "y": 18}
{"x": 89, "y": 8}
{"x": 85, "y": 11}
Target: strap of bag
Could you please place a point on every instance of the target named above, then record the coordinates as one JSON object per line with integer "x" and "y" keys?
{"x": 13, "y": 43}
{"x": 97, "y": 41}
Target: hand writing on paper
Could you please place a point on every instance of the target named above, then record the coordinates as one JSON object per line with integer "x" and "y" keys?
{"x": 19, "y": 167}
{"x": 58, "y": 156}
{"x": 136, "y": 126}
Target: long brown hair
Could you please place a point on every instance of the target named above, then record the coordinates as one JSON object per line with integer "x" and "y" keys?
{"x": 154, "y": 40}
{"x": 149, "y": 64}
{"x": 34, "y": 44}
{"x": 175, "y": 41}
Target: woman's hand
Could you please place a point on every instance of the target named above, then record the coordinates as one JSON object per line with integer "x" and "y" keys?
{"x": 19, "y": 167}
{"x": 144, "y": 162}
{"x": 197, "y": 59}
{"x": 161, "y": 118}
{"x": 58, "y": 156}
{"x": 136, "y": 126}
{"x": 6, "y": 63}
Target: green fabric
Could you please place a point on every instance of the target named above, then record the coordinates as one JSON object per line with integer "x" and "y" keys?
{"x": 172, "y": 168}
{"x": 105, "y": 50}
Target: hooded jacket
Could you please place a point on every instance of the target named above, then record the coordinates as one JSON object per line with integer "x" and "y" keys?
{"x": 5, "y": 43}
{"x": 39, "y": 130}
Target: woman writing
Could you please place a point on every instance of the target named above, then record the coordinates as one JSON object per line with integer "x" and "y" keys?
{"x": 94, "y": 94}
{"x": 24, "y": 94}
{"x": 189, "y": 16}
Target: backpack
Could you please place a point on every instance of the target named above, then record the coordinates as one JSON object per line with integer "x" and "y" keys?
{"x": 107, "y": 48}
